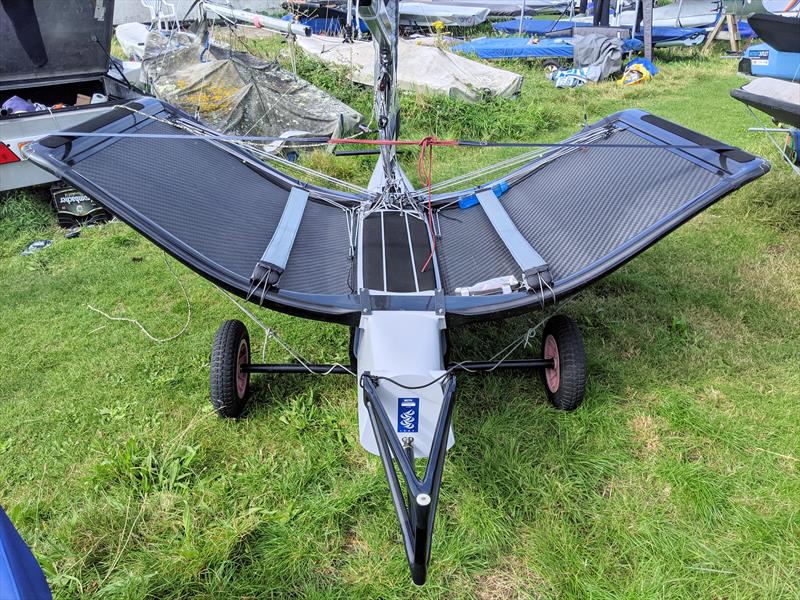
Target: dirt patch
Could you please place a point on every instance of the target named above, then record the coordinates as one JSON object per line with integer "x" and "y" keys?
{"x": 354, "y": 544}
{"x": 718, "y": 328}
{"x": 646, "y": 435}
{"x": 718, "y": 399}
{"x": 511, "y": 580}
{"x": 774, "y": 276}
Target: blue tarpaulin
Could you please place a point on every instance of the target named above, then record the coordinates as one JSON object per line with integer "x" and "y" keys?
{"x": 545, "y": 26}
{"x": 21, "y": 578}
{"x": 326, "y": 26}
{"x": 521, "y": 47}
{"x": 663, "y": 35}
{"x": 533, "y": 26}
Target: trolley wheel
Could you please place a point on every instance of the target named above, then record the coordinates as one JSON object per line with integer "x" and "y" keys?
{"x": 565, "y": 382}
{"x": 550, "y": 66}
{"x": 793, "y": 147}
{"x": 230, "y": 386}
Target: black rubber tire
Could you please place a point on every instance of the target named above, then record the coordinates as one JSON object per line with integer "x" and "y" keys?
{"x": 550, "y": 65}
{"x": 227, "y": 398}
{"x": 571, "y": 374}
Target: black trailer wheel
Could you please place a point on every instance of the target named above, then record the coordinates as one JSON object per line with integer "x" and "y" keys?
{"x": 565, "y": 382}
{"x": 550, "y": 66}
{"x": 230, "y": 385}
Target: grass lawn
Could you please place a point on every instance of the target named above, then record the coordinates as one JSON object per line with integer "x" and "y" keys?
{"x": 678, "y": 478}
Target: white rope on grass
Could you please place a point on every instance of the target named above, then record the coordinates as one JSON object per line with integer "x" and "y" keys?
{"x": 142, "y": 327}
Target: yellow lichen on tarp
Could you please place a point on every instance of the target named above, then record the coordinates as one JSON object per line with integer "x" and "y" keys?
{"x": 211, "y": 98}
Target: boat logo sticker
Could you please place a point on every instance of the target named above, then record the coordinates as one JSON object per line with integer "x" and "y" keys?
{"x": 407, "y": 415}
{"x": 759, "y": 58}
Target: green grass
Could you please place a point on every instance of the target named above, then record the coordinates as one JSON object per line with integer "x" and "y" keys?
{"x": 678, "y": 478}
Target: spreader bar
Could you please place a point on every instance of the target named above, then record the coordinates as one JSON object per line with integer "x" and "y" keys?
{"x": 298, "y": 368}
{"x": 337, "y": 369}
{"x": 475, "y": 365}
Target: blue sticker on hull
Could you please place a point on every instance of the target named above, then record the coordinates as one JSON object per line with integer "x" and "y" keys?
{"x": 407, "y": 415}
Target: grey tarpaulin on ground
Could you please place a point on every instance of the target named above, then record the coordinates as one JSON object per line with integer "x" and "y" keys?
{"x": 237, "y": 93}
{"x": 596, "y": 50}
{"x": 421, "y": 68}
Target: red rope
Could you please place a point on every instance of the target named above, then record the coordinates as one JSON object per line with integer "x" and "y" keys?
{"x": 428, "y": 141}
{"x": 425, "y": 173}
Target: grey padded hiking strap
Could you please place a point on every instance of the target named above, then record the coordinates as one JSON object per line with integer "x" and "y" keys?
{"x": 527, "y": 258}
{"x": 280, "y": 246}
{"x": 273, "y": 262}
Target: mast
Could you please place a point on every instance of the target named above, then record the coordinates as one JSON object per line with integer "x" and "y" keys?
{"x": 383, "y": 17}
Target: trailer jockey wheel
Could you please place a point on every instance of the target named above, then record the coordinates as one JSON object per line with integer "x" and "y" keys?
{"x": 230, "y": 384}
{"x": 565, "y": 381}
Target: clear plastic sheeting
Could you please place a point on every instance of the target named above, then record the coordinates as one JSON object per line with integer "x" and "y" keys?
{"x": 237, "y": 93}
{"x": 421, "y": 68}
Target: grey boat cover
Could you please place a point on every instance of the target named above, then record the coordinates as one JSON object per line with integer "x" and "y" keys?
{"x": 778, "y": 98}
{"x": 569, "y": 217}
{"x": 237, "y": 93}
{"x": 422, "y": 68}
{"x": 423, "y": 14}
{"x": 598, "y": 51}
{"x": 506, "y": 8}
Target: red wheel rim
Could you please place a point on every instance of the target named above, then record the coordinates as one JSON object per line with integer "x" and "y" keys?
{"x": 552, "y": 375}
{"x": 243, "y": 358}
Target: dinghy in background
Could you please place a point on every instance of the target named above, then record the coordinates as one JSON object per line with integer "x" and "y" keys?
{"x": 504, "y": 48}
{"x": 775, "y": 97}
{"x": 412, "y": 14}
{"x": 685, "y": 13}
{"x": 662, "y": 36}
{"x": 423, "y": 14}
{"x": 781, "y": 101}
{"x": 780, "y": 32}
{"x": 779, "y": 55}
{"x": 506, "y": 8}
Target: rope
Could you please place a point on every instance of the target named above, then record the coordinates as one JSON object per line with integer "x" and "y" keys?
{"x": 425, "y": 176}
{"x": 435, "y": 142}
{"x": 524, "y": 340}
{"x": 269, "y": 334}
{"x": 775, "y": 143}
{"x": 142, "y": 327}
{"x": 424, "y": 171}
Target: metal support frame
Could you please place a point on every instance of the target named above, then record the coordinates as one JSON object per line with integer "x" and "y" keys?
{"x": 382, "y": 18}
{"x": 468, "y": 366}
{"x": 416, "y": 506}
{"x": 297, "y": 368}
{"x": 416, "y": 510}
